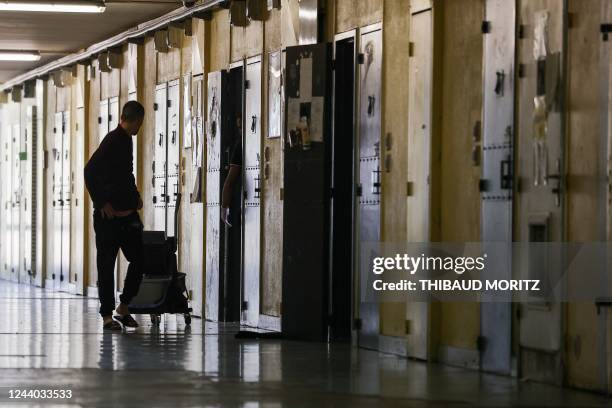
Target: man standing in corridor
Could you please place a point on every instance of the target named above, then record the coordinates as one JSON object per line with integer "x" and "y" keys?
{"x": 109, "y": 178}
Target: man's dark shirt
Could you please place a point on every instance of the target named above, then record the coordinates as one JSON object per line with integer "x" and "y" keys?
{"x": 109, "y": 173}
{"x": 236, "y": 156}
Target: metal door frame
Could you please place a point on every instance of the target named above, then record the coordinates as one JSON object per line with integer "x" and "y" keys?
{"x": 66, "y": 201}
{"x": 354, "y": 291}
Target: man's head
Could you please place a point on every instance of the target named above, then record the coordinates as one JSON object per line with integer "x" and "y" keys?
{"x": 132, "y": 117}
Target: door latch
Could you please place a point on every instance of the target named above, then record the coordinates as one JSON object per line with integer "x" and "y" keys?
{"x": 556, "y": 190}
{"x": 371, "y": 102}
{"x": 499, "y": 83}
{"x": 505, "y": 179}
{"x": 257, "y": 188}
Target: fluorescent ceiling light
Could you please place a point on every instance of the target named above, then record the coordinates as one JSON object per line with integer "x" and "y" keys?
{"x": 8, "y": 55}
{"x": 53, "y": 7}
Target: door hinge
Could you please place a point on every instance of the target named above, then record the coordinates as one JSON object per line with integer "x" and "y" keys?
{"x": 521, "y": 31}
{"x": 481, "y": 343}
{"x": 483, "y": 185}
{"x": 245, "y": 304}
{"x": 360, "y": 58}
{"x": 155, "y": 106}
{"x": 486, "y": 27}
{"x": 168, "y": 103}
{"x": 359, "y": 190}
{"x": 411, "y": 49}
{"x": 247, "y": 84}
{"x": 605, "y": 29}
{"x": 477, "y": 131}
{"x": 521, "y": 70}
{"x": 571, "y": 20}
{"x": 99, "y": 120}
{"x": 409, "y": 188}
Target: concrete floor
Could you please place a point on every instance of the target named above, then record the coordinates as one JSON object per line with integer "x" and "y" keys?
{"x": 55, "y": 340}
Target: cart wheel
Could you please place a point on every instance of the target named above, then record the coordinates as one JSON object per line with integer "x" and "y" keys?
{"x": 187, "y": 317}
{"x": 155, "y": 319}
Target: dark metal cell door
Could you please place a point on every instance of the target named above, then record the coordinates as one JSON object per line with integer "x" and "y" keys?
{"x": 307, "y": 174}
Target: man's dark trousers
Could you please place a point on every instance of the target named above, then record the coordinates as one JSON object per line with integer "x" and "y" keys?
{"x": 112, "y": 234}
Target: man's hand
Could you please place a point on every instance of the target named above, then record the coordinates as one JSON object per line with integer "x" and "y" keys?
{"x": 139, "y": 204}
{"x": 108, "y": 211}
{"x": 225, "y": 212}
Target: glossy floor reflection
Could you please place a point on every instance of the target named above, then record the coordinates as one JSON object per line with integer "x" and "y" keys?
{"x": 55, "y": 340}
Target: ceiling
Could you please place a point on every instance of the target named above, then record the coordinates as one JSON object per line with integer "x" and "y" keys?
{"x": 58, "y": 34}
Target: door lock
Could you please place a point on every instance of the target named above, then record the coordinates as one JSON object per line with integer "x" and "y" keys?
{"x": 257, "y": 188}
{"x": 556, "y": 190}
{"x": 505, "y": 177}
{"x": 376, "y": 181}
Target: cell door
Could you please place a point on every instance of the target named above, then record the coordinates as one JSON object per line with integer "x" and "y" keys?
{"x": 65, "y": 201}
{"x": 174, "y": 153}
{"x": 6, "y": 200}
{"x": 114, "y": 114}
{"x": 103, "y": 120}
{"x": 369, "y": 182}
{"x": 251, "y": 192}
{"x": 497, "y": 178}
{"x": 16, "y": 207}
{"x": 77, "y": 189}
{"x": 58, "y": 132}
{"x": 420, "y": 85}
{"x": 159, "y": 158}
{"x": 540, "y": 196}
{"x": 26, "y": 201}
{"x": 213, "y": 196}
